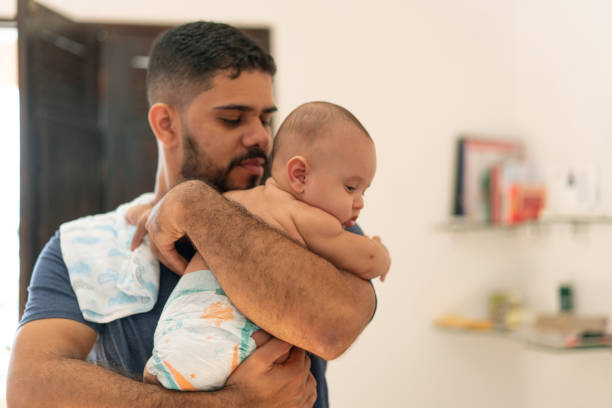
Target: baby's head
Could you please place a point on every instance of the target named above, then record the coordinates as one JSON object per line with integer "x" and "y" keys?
{"x": 324, "y": 156}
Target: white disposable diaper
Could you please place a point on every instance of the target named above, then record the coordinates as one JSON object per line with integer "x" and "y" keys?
{"x": 109, "y": 280}
{"x": 200, "y": 337}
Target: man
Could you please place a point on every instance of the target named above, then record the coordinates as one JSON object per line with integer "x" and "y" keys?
{"x": 210, "y": 91}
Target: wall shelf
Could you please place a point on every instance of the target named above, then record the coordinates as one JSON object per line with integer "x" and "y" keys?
{"x": 460, "y": 224}
{"x": 548, "y": 343}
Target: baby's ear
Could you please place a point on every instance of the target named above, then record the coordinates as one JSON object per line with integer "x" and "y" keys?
{"x": 297, "y": 172}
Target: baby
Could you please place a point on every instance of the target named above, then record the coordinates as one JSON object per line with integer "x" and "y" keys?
{"x": 322, "y": 162}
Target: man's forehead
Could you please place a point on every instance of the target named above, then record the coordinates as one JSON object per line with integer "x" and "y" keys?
{"x": 251, "y": 90}
{"x": 250, "y": 79}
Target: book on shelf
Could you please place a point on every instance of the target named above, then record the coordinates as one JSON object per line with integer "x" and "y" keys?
{"x": 516, "y": 194}
{"x": 475, "y": 157}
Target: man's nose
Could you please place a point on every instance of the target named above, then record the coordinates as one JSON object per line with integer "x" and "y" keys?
{"x": 258, "y": 135}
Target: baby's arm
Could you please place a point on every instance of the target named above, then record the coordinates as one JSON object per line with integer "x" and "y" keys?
{"x": 323, "y": 234}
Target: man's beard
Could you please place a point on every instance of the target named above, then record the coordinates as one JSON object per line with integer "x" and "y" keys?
{"x": 197, "y": 164}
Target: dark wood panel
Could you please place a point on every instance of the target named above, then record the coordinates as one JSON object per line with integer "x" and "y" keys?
{"x": 60, "y": 149}
{"x": 130, "y": 149}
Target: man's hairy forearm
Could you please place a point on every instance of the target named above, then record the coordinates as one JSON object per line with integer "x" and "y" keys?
{"x": 284, "y": 288}
{"x": 65, "y": 382}
{"x": 47, "y": 369}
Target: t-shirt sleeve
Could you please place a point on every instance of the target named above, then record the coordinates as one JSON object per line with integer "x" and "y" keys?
{"x": 356, "y": 229}
{"x": 50, "y": 293}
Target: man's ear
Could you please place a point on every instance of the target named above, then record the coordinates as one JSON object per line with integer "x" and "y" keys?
{"x": 164, "y": 121}
{"x": 297, "y": 172}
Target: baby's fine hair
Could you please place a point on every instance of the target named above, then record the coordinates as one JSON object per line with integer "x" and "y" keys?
{"x": 309, "y": 119}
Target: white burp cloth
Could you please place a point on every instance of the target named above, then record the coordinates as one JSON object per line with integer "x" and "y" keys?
{"x": 200, "y": 337}
{"x": 109, "y": 280}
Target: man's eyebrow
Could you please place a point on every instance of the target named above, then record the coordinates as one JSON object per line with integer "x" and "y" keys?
{"x": 271, "y": 109}
{"x": 245, "y": 108}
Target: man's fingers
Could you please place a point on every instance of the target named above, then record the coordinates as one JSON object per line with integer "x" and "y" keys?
{"x": 311, "y": 391}
{"x": 132, "y": 215}
{"x": 173, "y": 260}
{"x": 298, "y": 359}
{"x": 269, "y": 352}
{"x": 307, "y": 362}
{"x": 154, "y": 250}
{"x": 178, "y": 263}
{"x": 165, "y": 251}
{"x": 139, "y": 234}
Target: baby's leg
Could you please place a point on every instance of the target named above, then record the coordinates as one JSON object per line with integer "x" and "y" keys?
{"x": 197, "y": 263}
{"x": 261, "y": 337}
{"x": 149, "y": 378}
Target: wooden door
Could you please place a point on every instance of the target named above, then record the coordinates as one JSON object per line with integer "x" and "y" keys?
{"x": 60, "y": 143}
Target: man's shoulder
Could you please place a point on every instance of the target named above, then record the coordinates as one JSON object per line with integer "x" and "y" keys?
{"x": 52, "y": 248}
{"x": 50, "y": 294}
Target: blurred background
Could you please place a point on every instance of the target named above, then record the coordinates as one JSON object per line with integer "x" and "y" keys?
{"x": 476, "y": 311}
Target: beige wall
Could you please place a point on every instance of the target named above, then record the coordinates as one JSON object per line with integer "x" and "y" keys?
{"x": 8, "y": 50}
{"x": 563, "y": 101}
{"x": 8, "y": 8}
{"x": 417, "y": 72}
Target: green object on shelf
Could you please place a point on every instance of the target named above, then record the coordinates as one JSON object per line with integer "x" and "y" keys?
{"x": 566, "y": 299}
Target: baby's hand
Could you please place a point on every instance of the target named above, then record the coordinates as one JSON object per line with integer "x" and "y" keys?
{"x": 384, "y": 260}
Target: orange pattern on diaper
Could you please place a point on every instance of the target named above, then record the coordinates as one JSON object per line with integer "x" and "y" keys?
{"x": 235, "y": 358}
{"x": 219, "y": 312}
{"x": 181, "y": 381}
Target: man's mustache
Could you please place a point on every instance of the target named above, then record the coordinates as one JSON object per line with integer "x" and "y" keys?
{"x": 252, "y": 153}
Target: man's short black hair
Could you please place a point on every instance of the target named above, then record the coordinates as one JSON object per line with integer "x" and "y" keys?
{"x": 184, "y": 59}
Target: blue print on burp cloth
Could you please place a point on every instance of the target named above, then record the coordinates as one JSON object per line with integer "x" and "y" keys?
{"x": 109, "y": 280}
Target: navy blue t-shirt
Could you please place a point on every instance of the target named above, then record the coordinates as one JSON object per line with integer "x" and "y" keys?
{"x": 123, "y": 345}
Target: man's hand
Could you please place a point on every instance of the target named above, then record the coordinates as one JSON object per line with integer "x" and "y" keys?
{"x": 161, "y": 223}
{"x": 135, "y": 214}
{"x": 263, "y": 382}
{"x": 138, "y": 215}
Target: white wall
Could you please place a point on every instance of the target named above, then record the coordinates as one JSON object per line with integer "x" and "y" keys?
{"x": 564, "y": 83}
{"x": 8, "y": 9}
{"x": 417, "y": 73}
